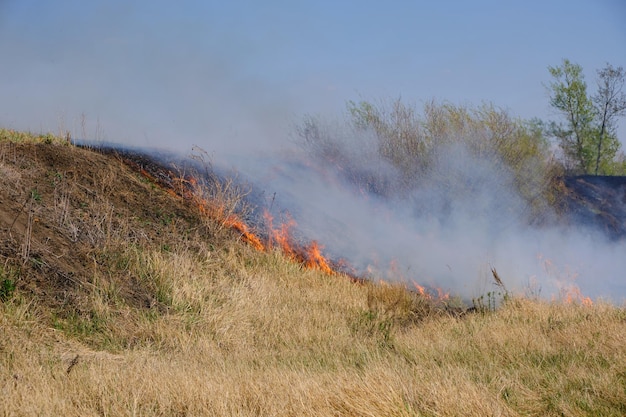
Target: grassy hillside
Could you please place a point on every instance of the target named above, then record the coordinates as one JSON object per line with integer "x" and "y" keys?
{"x": 118, "y": 297}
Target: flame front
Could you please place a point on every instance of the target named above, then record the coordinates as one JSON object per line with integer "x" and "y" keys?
{"x": 309, "y": 255}
{"x": 281, "y": 237}
{"x": 234, "y": 222}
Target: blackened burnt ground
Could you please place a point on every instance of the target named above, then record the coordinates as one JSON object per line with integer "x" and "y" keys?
{"x": 597, "y": 202}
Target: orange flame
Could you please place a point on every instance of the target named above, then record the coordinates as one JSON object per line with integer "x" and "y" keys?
{"x": 234, "y": 222}
{"x": 281, "y": 237}
{"x": 309, "y": 255}
{"x": 421, "y": 290}
{"x": 441, "y": 294}
{"x": 569, "y": 292}
{"x": 427, "y": 292}
{"x": 316, "y": 260}
{"x": 572, "y": 295}
{"x": 190, "y": 189}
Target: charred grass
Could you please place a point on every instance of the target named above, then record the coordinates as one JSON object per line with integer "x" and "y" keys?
{"x": 127, "y": 302}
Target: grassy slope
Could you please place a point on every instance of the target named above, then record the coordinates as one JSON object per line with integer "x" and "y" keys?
{"x": 129, "y": 303}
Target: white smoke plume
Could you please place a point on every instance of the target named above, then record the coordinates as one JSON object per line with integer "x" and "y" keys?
{"x": 462, "y": 219}
{"x": 156, "y": 75}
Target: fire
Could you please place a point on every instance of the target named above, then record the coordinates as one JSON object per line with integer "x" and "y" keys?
{"x": 281, "y": 237}
{"x": 420, "y": 289}
{"x": 234, "y": 222}
{"x": 309, "y": 255}
{"x": 316, "y": 260}
{"x": 190, "y": 189}
{"x": 569, "y": 292}
{"x": 572, "y": 294}
{"x": 429, "y": 292}
{"x": 395, "y": 274}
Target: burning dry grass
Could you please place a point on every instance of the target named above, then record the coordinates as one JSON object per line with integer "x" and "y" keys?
{"x": 165, "y": 319}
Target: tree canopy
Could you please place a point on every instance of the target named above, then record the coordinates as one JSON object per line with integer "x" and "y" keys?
{"x": 588, "y": 135}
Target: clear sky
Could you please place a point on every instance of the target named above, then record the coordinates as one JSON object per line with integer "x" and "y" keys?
{"x": 227, "y": 73}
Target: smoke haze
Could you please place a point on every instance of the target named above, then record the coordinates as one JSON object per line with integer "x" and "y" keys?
{"x": 461, "y": 219}
{"x": 155, "y": 75}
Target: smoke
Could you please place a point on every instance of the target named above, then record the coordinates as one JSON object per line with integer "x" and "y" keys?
{"x": 459, "y": 219}
{"x": 137, "y": 74}
{"x": 157, "y": 75}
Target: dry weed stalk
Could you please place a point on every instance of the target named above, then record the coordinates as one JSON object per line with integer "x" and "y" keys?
{"x": 62, "y": 202}
{"x": 497, "y": 279}
{"x": 28, "y": 233}
{"x": 220, "y": 199}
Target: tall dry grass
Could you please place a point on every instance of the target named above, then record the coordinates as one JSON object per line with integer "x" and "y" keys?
{"x": 263, "y": 337}
{"x": 182, "y": 322}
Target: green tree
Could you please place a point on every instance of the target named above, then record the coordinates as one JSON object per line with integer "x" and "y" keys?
{"x": 610, "y": 103}
{"x": 569, "y": 97}
{"x": 588, "y": 137}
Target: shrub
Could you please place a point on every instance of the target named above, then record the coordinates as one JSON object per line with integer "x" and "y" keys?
{"x": 392, "y": 150}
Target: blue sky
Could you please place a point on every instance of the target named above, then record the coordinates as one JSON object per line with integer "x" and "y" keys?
{"x": 227, "y": 74}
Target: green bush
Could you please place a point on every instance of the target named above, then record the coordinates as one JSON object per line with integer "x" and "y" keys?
{"x": 413, "y": 150}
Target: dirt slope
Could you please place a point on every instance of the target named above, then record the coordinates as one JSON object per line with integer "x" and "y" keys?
{"x": 64, "y": 210}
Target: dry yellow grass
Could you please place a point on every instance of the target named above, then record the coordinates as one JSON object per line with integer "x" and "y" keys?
{"x": 216, "y": 328}
{"x": 275, "y": 340}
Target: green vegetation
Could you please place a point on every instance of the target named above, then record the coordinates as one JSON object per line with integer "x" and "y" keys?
{"x": 441, "y": 147}
{"x": 7, "y": 287}
{"x": 588, "y": 138}
{"x": 415, "y": 140}
{"x": 16, "y": 136}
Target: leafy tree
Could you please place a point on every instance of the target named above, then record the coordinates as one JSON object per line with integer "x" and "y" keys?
{"x": 588, "y": 138}
{"x": 569, "y": 96}
{"x": 610, "y": 103}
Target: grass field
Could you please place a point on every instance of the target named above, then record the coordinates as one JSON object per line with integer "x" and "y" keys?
{"x": 119, "y": 298}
